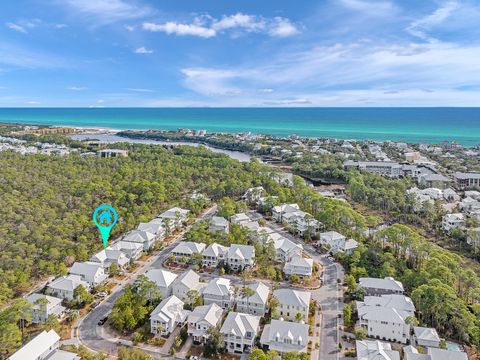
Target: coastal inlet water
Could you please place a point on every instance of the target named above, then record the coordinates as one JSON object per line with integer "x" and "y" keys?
{"x": 419, "y": 125}
{"x": 112, "y": 138}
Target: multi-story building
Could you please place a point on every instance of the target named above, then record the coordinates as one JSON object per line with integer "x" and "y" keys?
{"x": 467, "y": 180}
{"x": 220, "y": 292}
{"x": 285, "y": 336}
{"x": 214, "y": 254}
{"x": 255, "y": 304}
{"x": 239, "y": 332}
{"x": 293, "y": 302}
{"x": 167, "y": 316}
{"x": 201, "y": 319}
{"x": 240, "y": 257}
{"x": 378, "y": 287}
{"x": 384, "y": 168}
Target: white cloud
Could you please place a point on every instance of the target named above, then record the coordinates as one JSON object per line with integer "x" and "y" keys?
{"x": 32, "y": 102}
{"x": 107, "y": 11}
{"x": 130, "y": 27}
{"x": 419, "y": 28}
{"x": 180, "y": 29}
{"x": 407, "y": 69}
{"x": 287, "y": 102}
{"x": 23, "y": 26}
{"x": 143, "y": 50}
{"x": 13, "y": 55}
{"x": 206, "y": 26}
{"x": 77, "y": 88}
{"x": 372, "y": 7}
{"x": 140, "y": 90}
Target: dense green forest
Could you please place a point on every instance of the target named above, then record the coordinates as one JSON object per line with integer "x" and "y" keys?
{"x": 47, "y": 202}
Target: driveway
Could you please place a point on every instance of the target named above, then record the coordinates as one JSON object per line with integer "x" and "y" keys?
{"x": 95, "y": 337}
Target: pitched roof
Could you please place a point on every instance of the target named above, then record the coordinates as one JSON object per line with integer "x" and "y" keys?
{"x": 285, "y": 245}
{"x": 381, "y": 313}
{"x": 139, "y": 236}
{"x": 215, "y": 250}
{"x": 68, "y": 283}
{"x": 293, "y": 297}
{"x": 440, "y": 354}
{"x": 299, "y": 261}
{"x": 218, "y": 286}
{"x": 151, "y": 227}
{"x": 331, "y": 235}
{"x": 239, "y": 217}
{"x": 162, "y": 278}
{"x": 171, "y": 213}
{"x": 219, "y": 221}
{"x": 400, "y": 302}
{"x": 62, "y": 355}
{"x": 212, "y": 314}
{"x": 189, "y": 247}
{"x": 52, "y": 301}
{"x": 241, "y": 251}
{"x": 86, "y": 268}
{"x": 375, "y": 350}
{"x": 169, "y": 309}
{"x": 125, "y": 245}
{"x": 261, "y": 293}
{"x": 37, "y": 346}
{"x": 424, "y": 333}
{"x": 284, "y": 330}
{"x": 388, "y": 283}
{"x": 189, "y": 278}
{"x": 239, "y": 324}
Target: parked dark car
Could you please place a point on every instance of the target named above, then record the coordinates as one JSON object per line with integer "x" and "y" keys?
{"x": 102, "y": 321}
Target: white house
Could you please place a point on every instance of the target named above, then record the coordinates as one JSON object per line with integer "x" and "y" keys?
{"x": 92, "y": 273}
{"x": 132, "y": 250}
{"x": 255, "y": 304}
{"x": 153, "y": 227}
{"x": 63, "y": 287}
{"x": 427, "y": 337}
{"x": 375, "y": 350}
{"x": 167, "y": 316}
{"x": 218, "y": 291}
{"x": 42, "y": 347}
{"x": 254, "y": 195}
{"x": 201, "y": 319}
{"x": 280, "y": 210}
{"x": 40, "y": 312}
{"x": 239, "y": 332}
{"x": 377, "y": 287}
{"x": 285, "y": 249}
{"x": 240, "y": 257}
{"x": 336, "y": 242}
{"x": 164, "y": 280}
{"x": 107, "y": 257}
{"x": 285, "y": 336}
{"x": 453, "y": 221}
{"x": 219, "y": 224}
{"x": 385, "y": 323}
{"x": 173, "y": 218}
{"x": 440, "y": 354}
{"x": 299, "y": 265}
{"x": 214, "y": 254}
{"x": 293, "y": 302}
{"x": 395, "y": 301}
{"x": 185, "y": 249}
{"x": 141, "y": 237}
{"x": 185, "y": 282}
{"x": 240, "y": 219}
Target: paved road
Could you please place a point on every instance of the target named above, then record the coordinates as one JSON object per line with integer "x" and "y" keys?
{"x": 329, "y": 296}
{"x": 94, "y": 336}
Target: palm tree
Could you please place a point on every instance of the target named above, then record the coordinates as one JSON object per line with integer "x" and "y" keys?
{"x": 247, "y": 292}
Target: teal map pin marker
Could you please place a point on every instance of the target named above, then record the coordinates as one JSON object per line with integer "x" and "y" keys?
{"x": 105, "y": 217}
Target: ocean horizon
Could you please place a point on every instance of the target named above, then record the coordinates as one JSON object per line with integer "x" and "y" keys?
{"x": 416, "y": 125}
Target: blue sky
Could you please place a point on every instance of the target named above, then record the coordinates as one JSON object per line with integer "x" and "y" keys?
{"x": 104, "y": 53}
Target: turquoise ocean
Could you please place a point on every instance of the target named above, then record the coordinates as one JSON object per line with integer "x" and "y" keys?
{"x": 419, "y": 125}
